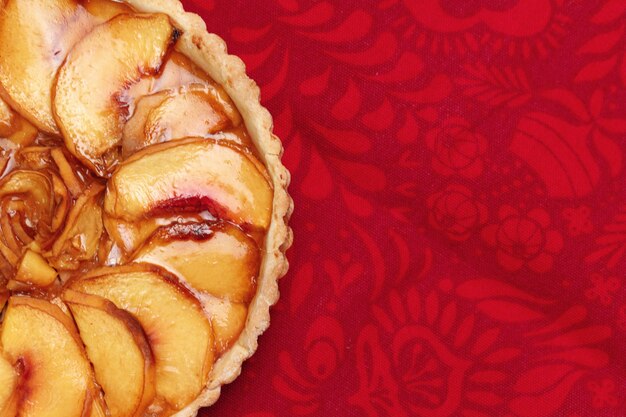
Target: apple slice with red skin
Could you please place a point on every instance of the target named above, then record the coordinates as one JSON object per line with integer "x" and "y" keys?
{"x": 177, "y": 328}
{"x": 191, "y": 176}
{"x": 217, "y": 259}
{"x": 8, "y": 388}
{"x": 119, "y": 352}
{"x": 42, "y": 343}
{"x": 48, "y": 29}
{"x": 214, "y": 258}
{"x": 88, "y": 100}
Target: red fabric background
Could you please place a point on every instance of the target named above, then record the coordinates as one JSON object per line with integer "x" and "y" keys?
{"x": 460, "y": 225}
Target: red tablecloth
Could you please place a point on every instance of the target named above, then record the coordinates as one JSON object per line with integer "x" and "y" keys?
{"x": 460, "y": 187}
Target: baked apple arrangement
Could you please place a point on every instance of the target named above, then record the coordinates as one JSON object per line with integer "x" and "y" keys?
{"x": 143, "y": 210}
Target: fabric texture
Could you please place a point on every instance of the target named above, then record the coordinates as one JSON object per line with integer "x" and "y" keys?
{"x": 460, "y": 187}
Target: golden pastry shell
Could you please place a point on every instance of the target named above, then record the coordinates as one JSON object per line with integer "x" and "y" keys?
{"x": 209, "y": 52}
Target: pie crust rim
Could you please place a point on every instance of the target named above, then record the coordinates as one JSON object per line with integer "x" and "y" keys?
{"x": 209, "y": 52}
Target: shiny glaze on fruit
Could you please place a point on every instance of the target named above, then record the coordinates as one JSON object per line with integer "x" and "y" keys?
{"x": 140, "y": 205}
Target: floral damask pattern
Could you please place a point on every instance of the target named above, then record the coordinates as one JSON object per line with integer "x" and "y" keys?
{"x": 458, "y": 174}
{"x": 523, "y": 239}
{"x": 456, "y": 149}
{"x": 456, "y": 212}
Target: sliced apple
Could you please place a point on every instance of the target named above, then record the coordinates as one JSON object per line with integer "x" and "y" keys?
{"x": 237, "y": 137}
{"x": 191, "y": 176}
{"x": 218, "y": 259}
{"x": 98, "y": 407}
{"x": 129, "y": 236}
{"x": 14, "y": 231}
{"x": 89, "y": 92}
{"x": 48, "y": 29}
{"x": 15, "y": 128}
{"x": 35, "y": 185}
{"x": 119, "y": 352}
{"x": 4, "y": 297}
{"x": 80, "y": 239}
{"x": 104, "y": 10}
{"x": 8, "y": 221}
{"x": 189, "y": 113}
{"x": 177, "y": 328}
{"x": 8, "y": 255}
{"x": 41, "y": 341}
{"x": 134, "y": 134}
{"x": 73, "y": 184}
{"x": 177, "y": 72}
{"x": 7, "y": 118}
{"x": 34, "y": 206}
{"x": 193, "y": 113}
{"x": 180, "y": 72}
{"x": 38, "y": 192}
{"x": 35, "y": 270}
{"x": 8, "y": 388}
{"x": 34, "y": 158}
{"x": 24, "y": 133}
{"x": 61, "y": 202}
{"x": 228, "y": 320}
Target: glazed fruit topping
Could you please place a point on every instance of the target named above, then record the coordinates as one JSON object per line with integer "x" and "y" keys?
{"x": 133, "y": 212}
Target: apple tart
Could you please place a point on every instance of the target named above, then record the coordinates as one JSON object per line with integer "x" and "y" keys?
{"x": 143, "y": 210}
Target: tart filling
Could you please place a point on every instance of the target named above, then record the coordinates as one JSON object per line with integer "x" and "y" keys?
{"x": 143, "y": 210}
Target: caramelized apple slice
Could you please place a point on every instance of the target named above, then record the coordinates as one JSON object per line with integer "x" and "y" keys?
{"x": 80, "y": 238}
{"x": 178, "y": 331}
{"x": 47, "y": 30}
{"x": 73, "y": 184}
{"x": 7, "y": 118}
{"x": 35, "y": 270}
{"x": 9, "y": 255}
{"x": 119, "y": 352}
{"x": 98, "y": 408}
{"x": 8, "y": 388}
{"x": 191, "y": 176}
{"x": 8, "y": 224}
{"x": 228, "y": 320}
{"x": 129, "y": 236}
{"x": 191, "y": 113}
{"x": 37, "y": 191}
{"x": 105, "y": 10}
{"x": 61, "y": 202}
{"x": 35, "y": 185}
{"x": 34, "y": 206}
{"x": 134, "y": 134}
{"x": 42, "y": 342}
{"x": 34, "y": 158}
{"x": 180, "y": 72}
{"x": 4, "y": 296}
{"x": 218, "y": 259}
{"x": 15, "y": 128}
{"x": 89, "y": 98}
{"x": 23, "y": 133}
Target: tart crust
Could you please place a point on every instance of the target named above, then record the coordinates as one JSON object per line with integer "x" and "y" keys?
{"x": 209, "y": 52}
